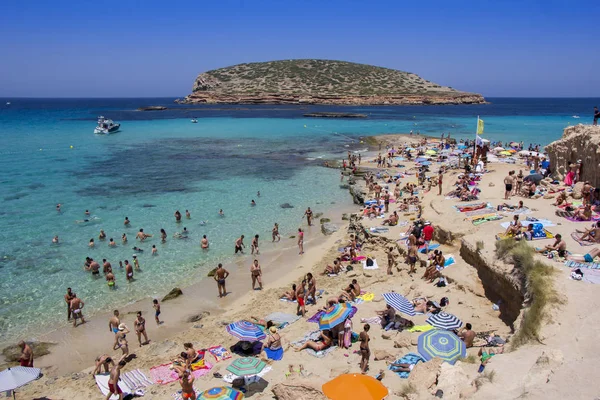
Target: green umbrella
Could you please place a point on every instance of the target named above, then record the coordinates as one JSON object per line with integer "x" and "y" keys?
{"x": 246, "y": 366}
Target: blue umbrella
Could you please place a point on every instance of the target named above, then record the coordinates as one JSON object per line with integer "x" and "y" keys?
{"x": 245, "y": 330}
{"x": 441, "y": 344}
{"x": 462, "y": 146}
{"x": 420, "y": 159}
{"x": 400, "y": 303}
{"x": 425, "y": 163}
{"x": 444, "y": 320}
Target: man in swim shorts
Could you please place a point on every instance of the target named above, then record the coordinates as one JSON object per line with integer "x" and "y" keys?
{"x": 76, "y": 310}
{"x": 114, "y": 322}
{"x": 156, "y": 307}
{"x": 113, "y": 381}
{"x": 128, "y": 271}
{"x": 239, "y": 245}
{"x": 508, "y": 185}
{"x": 204, "y": 242}
{"x": 68, "y": 297}
{"x": 254, "y": 245}
{"x": 26, "y": 359}
{"x": 220, "y": 275}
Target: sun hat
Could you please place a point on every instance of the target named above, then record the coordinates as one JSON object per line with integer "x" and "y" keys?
{"x": 122, "y": 327}
{"x": 273, "y": 329}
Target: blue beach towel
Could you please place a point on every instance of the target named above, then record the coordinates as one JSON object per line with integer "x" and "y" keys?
{"x": 274, "y": 354}
{"x": 410, "y": 358}
{"x": 432, "y": 246}
{"x": 575, "y": 264}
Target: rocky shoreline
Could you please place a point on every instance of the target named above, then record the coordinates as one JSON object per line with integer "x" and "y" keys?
{"x": 200, "y": 97}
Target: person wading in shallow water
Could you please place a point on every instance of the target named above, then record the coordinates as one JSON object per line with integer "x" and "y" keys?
{"x": 309, "y": 216}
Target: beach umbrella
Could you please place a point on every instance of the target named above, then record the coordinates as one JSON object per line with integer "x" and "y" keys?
{"x": 221, "y": 393}
{"x": 245, "y": 330}
{"x": 246, "y": 366}
{"x": 420, "y": 159}
{"x": 462, "y": 146}
{"x": 425, "y": 163}
{"x": 355, "y": 386}
{"x": 431, "y": 152}
{"x": 336, "y": 316}
{"x": 15, "y": 377}
{"x": 400, "y": 303}
{"x": 527, "y": 153}
{"x": 535, "y": 178}
{"x": 498, "y": 148}
{"x": 442, "y": 344}
{"x": 505, "y": 153}
{"x": 410, "y": 149}
{"x": 514, "y": 144}
{"x": 444, "y": 320}
{"x": 511, "y": 151}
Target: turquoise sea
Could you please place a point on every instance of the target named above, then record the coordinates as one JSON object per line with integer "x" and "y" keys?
{"x": 160, "y": 162}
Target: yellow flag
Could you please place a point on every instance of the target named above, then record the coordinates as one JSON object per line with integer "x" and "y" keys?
{"x": 479, "y": 126}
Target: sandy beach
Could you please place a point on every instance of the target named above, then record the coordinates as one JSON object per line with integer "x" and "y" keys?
{"x": 482, "y": 290}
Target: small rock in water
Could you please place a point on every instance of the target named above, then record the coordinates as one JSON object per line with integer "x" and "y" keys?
{"x": 148, "y": 205}
{"x": 286, "y": 205}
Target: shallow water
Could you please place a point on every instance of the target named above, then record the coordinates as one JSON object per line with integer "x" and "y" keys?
{"x": 160, "y": 162}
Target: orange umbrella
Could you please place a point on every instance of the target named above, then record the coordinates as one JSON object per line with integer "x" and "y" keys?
{"x": 355, "y": 386}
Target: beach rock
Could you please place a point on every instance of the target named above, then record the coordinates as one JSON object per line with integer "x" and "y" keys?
{"x": 380, "y": 355}
{"x": 328, "y": 228}
{"x": 197, "y": 317}
{"x": 577, "y": 189}
{"x": 386, "y": 336}
{"x": 425, "y": 375}
{"x": 324, "y": 220}
{"x": 212, "y": 272}
{"x": 174, "y": 293}
{"x": 13, "y": 353}
{"x": 298, "y": 389}
{"x": 345, "y": 186}
{"x": 402, "y": 342}
{"x": 286, "y": 205}
{"x": 152, "y": 108}
{"x": 351, "y": 181}
{"x": 317, "y": 215}
{"x": 198, "y": 326}
{"x": 491, "y": 184}
{"x": 345, "y": 217}
{"x": 452, "y": 380}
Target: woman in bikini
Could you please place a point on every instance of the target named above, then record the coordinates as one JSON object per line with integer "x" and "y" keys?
{"x": 301, "y": 240}
{"x": 276, "y": 232}
{"x": 365, "y": 351}
{"x": 291, "y": 294}
{"x": 519, "y": 182}
{"x": 326, "y": 342}
{"x": 272, "y": 347}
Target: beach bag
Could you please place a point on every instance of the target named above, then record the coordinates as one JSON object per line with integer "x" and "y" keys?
{"x": 370, "y": 262}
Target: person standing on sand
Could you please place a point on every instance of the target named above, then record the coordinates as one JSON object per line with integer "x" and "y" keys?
{"x": 440, "y": 181}
{"x": 391, "y": 260}
{"x": 386, "y": 201}
{"x": 68, "y": 297}
{"x": 300, "y": 241}
{"x": 186, "y": 380}
{"x": 312, "y": 287}
{"x": 256, "y": 274}
{"x": 275, "y": 232}
{"x": 121, "y": 341}
{"x": 596, "y": 115}
{"x": 365, "y": 351}
{"x": 76, "y": 310}
{"x": 220, "y": 275}
{"x": 156, "y": 307}
{"x": 254, "y": 245}
{"x": 508, "y": 185}
{"x": 204, "y": 242}
{"x": 239, "y": 245}
{"x": 140, "y": 328}
{"x": 113, "y": 381}
{"x": 309, "y": 215}
{"x": 26, "y": 359}
{"x": 114, "y": 322}
{"x": 301, "y": 298}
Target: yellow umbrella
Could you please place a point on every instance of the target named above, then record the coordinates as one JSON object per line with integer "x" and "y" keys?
{"x": 430, "y": 152}
{"x": 355, "y": 386}
{"x": 505, "y": 153}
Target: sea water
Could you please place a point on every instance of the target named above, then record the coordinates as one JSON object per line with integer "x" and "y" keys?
{"x": 160, "y": 162}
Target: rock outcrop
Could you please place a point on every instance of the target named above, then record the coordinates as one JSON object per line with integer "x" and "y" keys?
{"x": 320, "y": 82}
{"x": 174, "y": 293}
{"x": 328, "y": 228}
{"x": 298, "y": 389}
{"x": 579, "y": 142}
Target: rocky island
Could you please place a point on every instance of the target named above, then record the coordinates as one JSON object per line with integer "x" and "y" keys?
{"x": 320, "y": 82}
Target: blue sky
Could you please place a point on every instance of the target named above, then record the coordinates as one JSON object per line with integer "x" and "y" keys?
{"x": 132, "y": 48}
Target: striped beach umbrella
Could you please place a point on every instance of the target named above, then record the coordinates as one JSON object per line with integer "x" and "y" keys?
{"x": 245, "y": 330}
{"x": 336, "y": 316}
{"x": 221, "y": 393}
{"x": 400, "y": 303}
{"x": 444, "y": 320}
{"x": 441, "y": 344}
{"x": 15, "y": 377}
{"x": 246, "y": 366}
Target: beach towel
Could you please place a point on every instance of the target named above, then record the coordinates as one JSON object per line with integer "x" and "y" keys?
{"x": 102, "y": 382}
{"x": 546, "y": 234}
{"x": 420, "y": 328}
{"x": 482, "y": 211}
{"x": 432, "y": 246}
{"x": 374, "y": 266}
{"x": 576, "y": 236}
{"x": 282, "y": 319}
{"x": 471, "y": 207}
{"x": 410, "y": 358}
{"x": 162, "y": 375}
{"x": 546, "y": 223}
{"x": 322, "y": 353}
{"x": 378, "y": 229}
{"x": 576, "y": 264}
{"x": 136, "y": 380}
{"x": 220, "y": 353}
{"x": 274, "y": 354}
{"x": 449, "y": 261}
{"x": 486, "y": 218}
{"x": 367, "y": 297}
{"x": 569, "y": 216}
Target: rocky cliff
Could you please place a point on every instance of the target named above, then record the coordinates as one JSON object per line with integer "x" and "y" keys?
{"x": 320, "y": 82}
{"x": 579, "y": 142}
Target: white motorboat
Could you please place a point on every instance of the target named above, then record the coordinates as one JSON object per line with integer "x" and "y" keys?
{"x": 194, "y": 121}
{"x": 106, "y": 126}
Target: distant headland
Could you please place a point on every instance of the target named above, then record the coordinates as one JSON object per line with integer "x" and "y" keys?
{"x": 320, "y": 82}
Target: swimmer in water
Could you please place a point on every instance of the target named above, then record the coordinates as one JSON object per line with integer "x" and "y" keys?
{"x": 106, "y": 267}
{"x": 154, "y": 250}
{"x": 55, "y": 239}
{"x": 187, "y": 214}
{"x": 163, "y": 235}
{"x": 124, "y": 238}
{"x": 258, "y": 194}
{"x": 91, "y": 243}
{"x": 253, "y": 203}
{"x": 177, "y": 216}
{"x": 128, "y": 271}
{"x": 112, "y": 243}
{"x": 81, "y": 221}
{"x": 221, "y": 213}
{"x": 136, "y": 263}
{"x": 202, "y": 223}
{"x": 276, "y": 232}
{"x": 135, "y": 248}
{"x": 102, "y": 235}
{"x": 204, "y": 242}
{"x": 58, "y": 208}
{"x": 126, "y": 222}
{"x": 110, "y": 280}
{"x": 142, "y": 236}
{"x": 87, "y": 212}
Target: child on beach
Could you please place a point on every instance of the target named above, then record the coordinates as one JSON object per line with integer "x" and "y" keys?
{"x": 156, "y": 307}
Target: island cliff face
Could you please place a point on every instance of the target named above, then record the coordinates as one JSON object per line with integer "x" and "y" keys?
{"x": 320, "y": 82}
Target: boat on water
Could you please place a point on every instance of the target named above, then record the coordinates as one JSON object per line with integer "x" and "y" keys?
{"x": 194, "y": 121}
{"x": 8, "y": 103}
{"x": 106, "y": 126}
